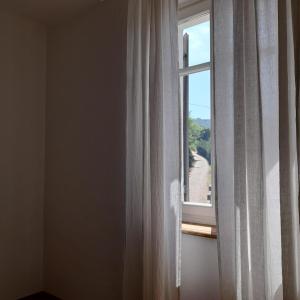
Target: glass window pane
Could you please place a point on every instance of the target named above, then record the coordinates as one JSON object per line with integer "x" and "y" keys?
{"x": 198, "y": 37}
{"x": 197, "y": 95}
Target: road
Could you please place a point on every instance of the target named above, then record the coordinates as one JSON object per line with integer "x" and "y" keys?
{"x": 199, "y": 180}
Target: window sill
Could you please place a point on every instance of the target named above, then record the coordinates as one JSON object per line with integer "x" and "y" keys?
{"x": 206, "y": 231}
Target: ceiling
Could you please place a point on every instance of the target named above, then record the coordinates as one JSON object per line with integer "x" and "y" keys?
{"x": 49, "y": 11}
{"x": 55, "y": 11}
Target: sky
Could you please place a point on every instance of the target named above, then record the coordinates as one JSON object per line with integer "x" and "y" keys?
{"x": 199, "y": 83}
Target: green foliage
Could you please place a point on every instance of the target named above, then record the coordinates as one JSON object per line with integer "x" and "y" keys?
{"x": 205, "y": 134}
{"x": 204, "y": 149}
{"x": 191, "y": 158}
{"x": 199, "y": 139}
{"x": 194, "y": 132}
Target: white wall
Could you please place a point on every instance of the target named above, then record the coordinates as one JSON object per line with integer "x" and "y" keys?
{"x": 85, "y": 155}
{"x": 85, "y": 146}
{"x": 22, "y": 118}
{"x": 199, "y": 270}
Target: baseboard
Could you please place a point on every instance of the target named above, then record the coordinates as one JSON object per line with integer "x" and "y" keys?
{"x": 40, "y": 296}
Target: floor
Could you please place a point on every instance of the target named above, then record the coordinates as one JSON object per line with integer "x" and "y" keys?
{"x": 40, "y": 296}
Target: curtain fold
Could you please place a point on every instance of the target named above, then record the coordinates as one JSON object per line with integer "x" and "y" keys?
{"x": 153, "y": 188}
{"x": 256, "y": 53}
{"x": 289, "y": 143}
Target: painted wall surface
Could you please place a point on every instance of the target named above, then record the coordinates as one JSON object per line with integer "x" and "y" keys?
{"x": 85, "y": 155}
{"x": 84, "y": 208}
{"x": 200, "y": 274}
{"x": 22, "y": 118}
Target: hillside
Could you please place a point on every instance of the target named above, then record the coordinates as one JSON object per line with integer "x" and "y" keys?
{"x": 203, "y": 122}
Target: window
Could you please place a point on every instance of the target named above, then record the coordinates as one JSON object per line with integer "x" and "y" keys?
{"x": 195, "y": 63}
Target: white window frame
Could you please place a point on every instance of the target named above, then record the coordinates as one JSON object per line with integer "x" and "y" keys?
{"x": 189, "y": 13}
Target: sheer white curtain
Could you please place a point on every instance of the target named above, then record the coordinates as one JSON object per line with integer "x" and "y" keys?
{"x": 153, "y": 156}
{"x": 257, "y": 105}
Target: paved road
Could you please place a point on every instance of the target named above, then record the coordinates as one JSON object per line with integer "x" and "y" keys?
{"x": 199, "y": 180}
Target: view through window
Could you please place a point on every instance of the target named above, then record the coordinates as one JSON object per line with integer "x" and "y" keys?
{"x": 195, "y": 57}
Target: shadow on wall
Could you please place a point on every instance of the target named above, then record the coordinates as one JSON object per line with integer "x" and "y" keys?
{"x": 199, "y": 269}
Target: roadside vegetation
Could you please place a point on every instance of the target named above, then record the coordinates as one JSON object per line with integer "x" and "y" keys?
{"x": 199, "y": 139}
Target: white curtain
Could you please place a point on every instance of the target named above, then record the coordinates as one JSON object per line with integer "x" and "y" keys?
{"x": 153, "y": 158}
{"x": 256, "y": 77}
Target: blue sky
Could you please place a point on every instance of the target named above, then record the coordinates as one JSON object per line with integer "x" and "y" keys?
{"x": 199, "y": 83}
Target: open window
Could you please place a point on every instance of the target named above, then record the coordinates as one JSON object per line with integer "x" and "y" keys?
{"x": 195, "y": 62}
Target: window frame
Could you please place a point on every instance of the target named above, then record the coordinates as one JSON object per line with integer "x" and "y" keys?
{"x": 189, "y": 13}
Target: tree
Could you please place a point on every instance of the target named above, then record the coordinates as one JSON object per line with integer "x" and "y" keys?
{"x": 205, "y": 134}
{"x": 199, "y": 139}
{"x": 194, "y": 132}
